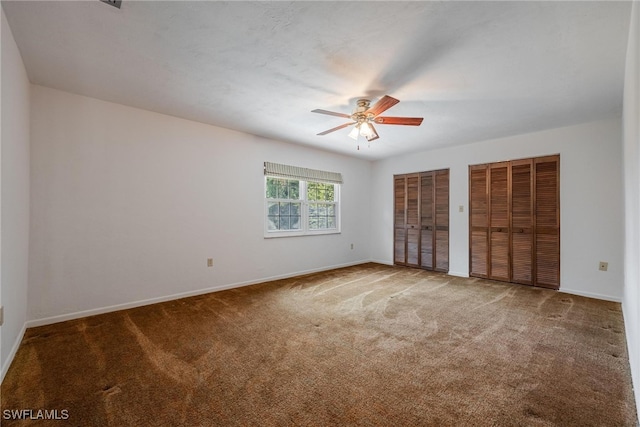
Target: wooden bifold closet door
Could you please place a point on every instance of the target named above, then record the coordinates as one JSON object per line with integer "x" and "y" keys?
{"x": 421, "y": 220}
{"x": 514, "y": 221}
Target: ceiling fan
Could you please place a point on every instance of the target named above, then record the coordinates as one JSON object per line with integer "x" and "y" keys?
{"x": 365, "y": 116}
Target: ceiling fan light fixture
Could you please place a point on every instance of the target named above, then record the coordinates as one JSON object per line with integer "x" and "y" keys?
{"x": 373, "y": 135}
{"x": 366, "y": 130}
{"x": 355, "y": 132}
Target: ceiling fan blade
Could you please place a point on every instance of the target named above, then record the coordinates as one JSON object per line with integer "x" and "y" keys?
{"x": 375, "y": 134}
{"x": 408, "y": 121}
{"x": 331, "y": 113}
{"x": 382, "y": 105}
{"x": 337, "y": 128}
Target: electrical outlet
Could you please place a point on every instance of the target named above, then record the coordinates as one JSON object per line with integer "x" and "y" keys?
{"x": 461, "y": 208}
{"x": 603, "y": 266}
{"x": 352, "y": 246}
{"x": 209, "y": 262}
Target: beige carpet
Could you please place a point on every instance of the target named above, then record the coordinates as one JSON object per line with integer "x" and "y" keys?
{"x": 370, "y": 345}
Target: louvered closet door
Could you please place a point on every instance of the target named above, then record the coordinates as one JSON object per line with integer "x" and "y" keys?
{"x": 522, "y": 221}
{"x": 399, "y": 221}
{"x": 478, "y": 221}
{"x": 421, "y": 220}
{"x": 427, "y": 220}
{"x": 442, "y": 220}
{"x": 434, "y": 220}
{"x": 407, "y": 220}
{"x": 547, "y": 222}
{"x": 413, "y": 220}
{"x": 514, "y": 214}
{"x": 499, "y": 221}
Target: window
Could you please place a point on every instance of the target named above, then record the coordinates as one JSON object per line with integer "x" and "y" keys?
{"x": 322, "y": 206}
{"x": 284, "y": 207}
{"x": 301, "y": 201}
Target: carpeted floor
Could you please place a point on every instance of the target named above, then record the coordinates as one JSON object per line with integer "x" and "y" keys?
{"x": 370, "y": 345}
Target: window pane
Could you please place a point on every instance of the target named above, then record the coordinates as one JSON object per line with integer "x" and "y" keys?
{"x": 273, "y": 208}
{"x": 284, "y": 223}
{"x": 294, "y": 190}
{"x": 330, "y": 195}
{"x": 295, "y": 223}
{"x": 273, "y": 222}
{"x": 295, "y": 209}
{"x": 283, "y": 190}
{"x": 322, "y": 223}
{"x": 320, "y": 191}
{"x": 321, "y": 216}
{"x": 272, "y": 187}
{"x": 285, "y": 208}
{"x": 312, "y": 191}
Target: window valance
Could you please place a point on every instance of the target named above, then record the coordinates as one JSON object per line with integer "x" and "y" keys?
{"x": 295, "y": 172}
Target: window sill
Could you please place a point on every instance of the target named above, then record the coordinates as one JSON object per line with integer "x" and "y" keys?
{"x": 275, "y": 235}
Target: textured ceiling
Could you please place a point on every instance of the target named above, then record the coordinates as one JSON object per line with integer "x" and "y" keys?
{"x": 473, "y": 70}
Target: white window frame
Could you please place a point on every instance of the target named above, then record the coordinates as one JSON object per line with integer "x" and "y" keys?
{"x": 304, "y": 230}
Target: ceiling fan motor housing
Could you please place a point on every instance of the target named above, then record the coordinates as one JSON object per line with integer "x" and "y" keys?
{"x": 359, "y": 114}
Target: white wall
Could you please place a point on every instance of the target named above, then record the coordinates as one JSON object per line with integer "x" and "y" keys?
{"x": 14, "y": 178}
{"x": 631, "y": 301}
{"x": 590, "y": 205}
{"x": 127, "y": 205}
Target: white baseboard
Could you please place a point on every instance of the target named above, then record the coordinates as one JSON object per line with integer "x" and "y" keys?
{"x": 590, "y": 295}
{"x": 12, "y": 353}
{"x": 140, "y": 303}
